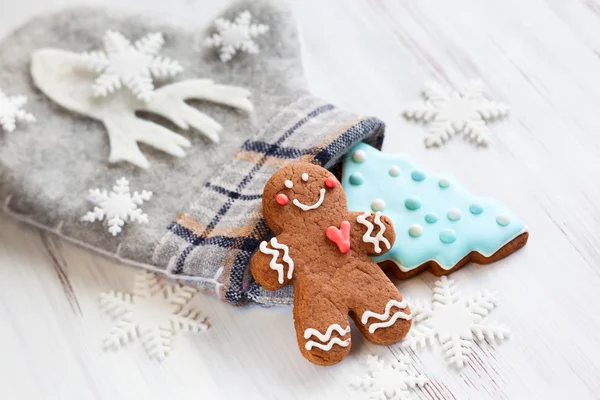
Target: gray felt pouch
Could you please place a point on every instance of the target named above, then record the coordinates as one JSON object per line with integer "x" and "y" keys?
{"x": 204, "y": 144}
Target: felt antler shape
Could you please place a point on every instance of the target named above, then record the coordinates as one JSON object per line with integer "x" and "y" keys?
{"x": 63, "y": 77}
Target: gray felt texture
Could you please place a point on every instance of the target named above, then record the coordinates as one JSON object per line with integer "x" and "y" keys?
{"x": 47, "y": 167}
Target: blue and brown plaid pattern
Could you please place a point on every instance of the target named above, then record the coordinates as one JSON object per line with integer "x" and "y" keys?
{"x": 213, "y": 240}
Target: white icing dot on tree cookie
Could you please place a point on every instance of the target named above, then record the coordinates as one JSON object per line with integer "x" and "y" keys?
{"x": 378, "y": 205}
{"x": 359, "y": 156}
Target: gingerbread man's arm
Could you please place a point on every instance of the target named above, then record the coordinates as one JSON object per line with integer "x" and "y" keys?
{"x": 376, "y": 231}
{"x": 271, "y": 266}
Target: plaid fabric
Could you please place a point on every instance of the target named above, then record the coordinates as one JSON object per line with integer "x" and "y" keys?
{"x": 214, "y": 239}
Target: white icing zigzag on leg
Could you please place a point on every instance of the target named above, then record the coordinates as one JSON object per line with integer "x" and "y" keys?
{"x": 326, "y": 336}
{"x": 275, "y": 253}
{"x": 367, "y": 238}
{"x": 384, "y": 317}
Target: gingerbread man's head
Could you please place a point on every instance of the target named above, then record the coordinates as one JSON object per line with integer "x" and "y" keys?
{"x": 302, "y": 193}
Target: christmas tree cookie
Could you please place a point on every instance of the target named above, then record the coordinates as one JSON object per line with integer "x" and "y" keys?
{"x": 439, "y": 224}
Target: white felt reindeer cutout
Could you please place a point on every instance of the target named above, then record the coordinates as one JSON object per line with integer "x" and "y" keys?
{"x": 66, "y": 79}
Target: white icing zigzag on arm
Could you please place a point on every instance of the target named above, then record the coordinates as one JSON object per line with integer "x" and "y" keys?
{"x": 367, "y": 238}
{"x": 275, "y": 253}
{"x": 325, "y": 337}
{"x": 384, "y": 317}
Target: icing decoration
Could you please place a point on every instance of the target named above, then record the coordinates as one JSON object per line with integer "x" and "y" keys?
{"x": 415, "y": 230}
{"x": 413, "y": 203}
{"x": 130, "y": 65}
{"x": 331, "y": 182}
{"x": 288, "y": 184}
{"x": 390, "y": 380}
{"x": 359, "y": 156}
{"x": 326, "y": 337}
{"x": 451, "y": 113}
{"x": 61, "y": 75}
{"x": 503, "y": 219}
{"x": 444, "y": 183}
{"x": 117, "y": 207}
{"x": 394, "y": 171}
{"x": 431, "y": 218}
{"x": 418, "y": 176}
{"x": 304, "y": 207}
{"x": 11, "y": 111}
{"x": 472, "y": 232}
{"x": 274, "y": 265}
{"x": 475, "y": 209}
{"x": 281, "y": 199}
{"x": 305, "y": 177}
{"x": 454, "y": 214}
{"x": 455, "y": 321}
{"x": 377, "y": 239}
{"x": 448, "y": 236}
{"x": 154, "y": 313}
{"x": 385, "y": 317}
{"x": 340, "y": 236}
{"x": 356, "y": 178}
{"x": 378, "y": 205}
{"x": 234, "y": 36}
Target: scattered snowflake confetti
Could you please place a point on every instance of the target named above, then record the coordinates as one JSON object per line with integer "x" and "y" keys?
{"x": 11, "y": 111}
{"x": 154, "y": 313}
{"x": 132, "y": 65}
{"x": 236, "y": 35}
{"x": 450, "y": 113}
{"x": 454, "y": 321}
{"x": 389, "y": 381}
{"x": 118, "y": 206}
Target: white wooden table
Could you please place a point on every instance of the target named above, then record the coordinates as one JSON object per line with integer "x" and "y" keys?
{"x": 370, "y": 56}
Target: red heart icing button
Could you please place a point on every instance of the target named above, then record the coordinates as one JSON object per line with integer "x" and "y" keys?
{"x": 340, "y": 236}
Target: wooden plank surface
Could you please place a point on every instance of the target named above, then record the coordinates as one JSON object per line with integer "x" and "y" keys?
{"x": 371, "y": 56}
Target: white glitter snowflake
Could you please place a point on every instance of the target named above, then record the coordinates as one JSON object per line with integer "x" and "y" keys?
{"x": 154, "y": 313}
{"x": 454, "y": 321}
{"x": 118, "y": 206}
{"x": 450, "y": 113}
{"x": 132, "y": 65}
{"x": 11, "y": 111}
{"x": 389, "y": 381}
{"x": 236, "y": 35}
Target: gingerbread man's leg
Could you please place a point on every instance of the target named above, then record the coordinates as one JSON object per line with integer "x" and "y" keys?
{"x": 380, "y": 312}
{"x": 322, "y": 325}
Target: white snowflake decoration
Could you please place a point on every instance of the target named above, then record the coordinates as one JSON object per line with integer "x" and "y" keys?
{"x": 389, "y": 381}
{"x": 454, "y": 321}
{"x": 131, "y": 65}
{"x": 118, "y": 206}
{"x": 236, "y": 35}
{"x": 11, "y": 111}
{"x": 154, "y": 313}
{"x": 451, "y": 113}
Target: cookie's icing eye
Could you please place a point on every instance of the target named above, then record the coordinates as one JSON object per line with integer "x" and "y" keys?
{"x": 331, "y": 182}
{"x": 305, "y": 177}
{"x": 288, "y": 184}
{"x": 281, "y": 199}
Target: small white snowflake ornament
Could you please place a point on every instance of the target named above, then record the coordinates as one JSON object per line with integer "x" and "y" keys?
{"x": 236, "y": 35}
{"x": 11, "y": 111}
{"x": 449, "y": 113}
{"x": 154, "y": 313}
{"x": 118, "y": 206}
{"x": 132, "y": 65}
{"x": 389, "y": 381}
{"x": 454, "y": 321}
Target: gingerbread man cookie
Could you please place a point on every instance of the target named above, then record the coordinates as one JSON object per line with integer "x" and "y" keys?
{"x": 324, "y": 250}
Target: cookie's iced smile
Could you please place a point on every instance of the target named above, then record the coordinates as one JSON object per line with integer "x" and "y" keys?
{"x": 304, "y": 207}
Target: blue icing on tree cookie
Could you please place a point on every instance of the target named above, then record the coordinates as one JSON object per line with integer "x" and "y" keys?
{"x": 435, "y": 217}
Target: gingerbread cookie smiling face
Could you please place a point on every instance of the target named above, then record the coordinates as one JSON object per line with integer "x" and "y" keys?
{"x": 324, "y": 249}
